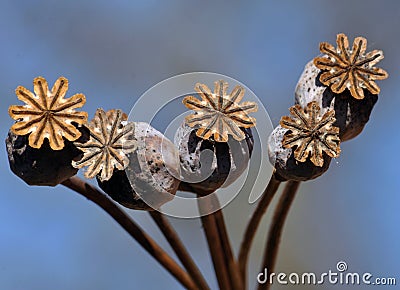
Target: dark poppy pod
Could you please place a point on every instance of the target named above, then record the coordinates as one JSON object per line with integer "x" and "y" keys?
{"x": 286, "y": 166}
{"x": 206, "y": 165}
{"x": 43, "y": 166}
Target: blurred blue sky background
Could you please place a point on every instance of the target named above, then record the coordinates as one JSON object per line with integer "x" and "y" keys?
{"x": 51, "y": 238}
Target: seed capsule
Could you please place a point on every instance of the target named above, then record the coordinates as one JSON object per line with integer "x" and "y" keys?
{"x": 150, "y": 180}
{"x": 286, "y": 166}
{"x": 351, "y": 114}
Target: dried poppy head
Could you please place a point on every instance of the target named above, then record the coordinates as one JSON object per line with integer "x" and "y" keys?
{"x": 215, "y": 143}
{"x": 128, "y": 161}
{"x": 351, "y": 114}
{"x": 343, "y": 79}
{"x": 150, "y": 180}
{"x": 302, "y": 146}
{"x": 39, "y": 144}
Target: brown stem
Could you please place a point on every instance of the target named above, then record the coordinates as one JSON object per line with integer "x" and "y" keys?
{"x": 214, "y": 242}
{"x": 230, "y": 261}
{"x": 176, "y": 244}
{"x": 254, "y": 223}
{"x": 96, "y": 196}
{"x": 276, "y": 229}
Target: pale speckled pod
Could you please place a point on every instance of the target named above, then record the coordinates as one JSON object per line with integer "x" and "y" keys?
{"x": 351, "y": 114}
{"x": 150, "y": 180}
{"x": 286, "y": 166}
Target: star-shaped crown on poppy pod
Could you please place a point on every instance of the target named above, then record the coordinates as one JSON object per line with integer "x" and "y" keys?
{"x": 46, "y": 114}
{"x": 311, "y": 133}
{"x": 350, "y": 68}
{"x": 219, "y": 114}
{"x": 111, "y": 138}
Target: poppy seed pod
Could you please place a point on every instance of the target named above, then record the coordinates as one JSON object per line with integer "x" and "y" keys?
{"x": 149, "y": 181}
{"x": 286, "y": 166}
{"x": 43, "y": 166}
{"x": 215, "y": 141}
{"x": 343, "y": 79}
{"x": 206, "y": 165}
{"x": 39, "y": 144}
{"x": 351, "y": 114}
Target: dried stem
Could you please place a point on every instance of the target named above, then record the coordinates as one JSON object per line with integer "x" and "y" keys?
{"x": 276, "y": 229}
{"x": 210, "y": 228}
{"x": 96, "y": 196}
{"x": 180, "y": 250}
{"x": 232, "y": 265}
{"x": 254, "y": 223}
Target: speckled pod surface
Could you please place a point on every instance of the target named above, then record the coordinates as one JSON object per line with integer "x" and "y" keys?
{"x": 286, "y": 166}
{"x": 221, "y": 164}
{"x": 150, "y": 180}
{"x": 43, "y": 166}
{"x": 351, "y": 114}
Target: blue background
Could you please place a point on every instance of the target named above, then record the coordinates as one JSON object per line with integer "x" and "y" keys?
{"x": 113, "y": 51}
